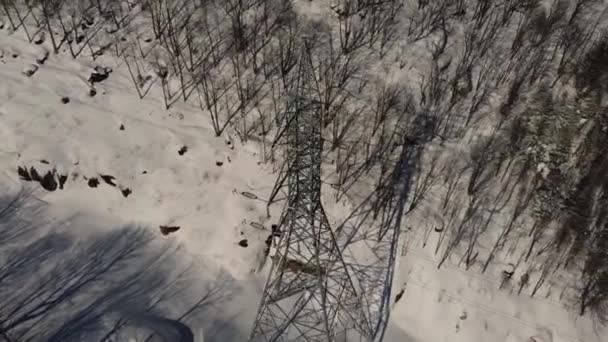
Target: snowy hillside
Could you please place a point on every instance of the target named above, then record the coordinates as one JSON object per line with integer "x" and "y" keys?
{"x": 136, "y": 145}
{"x": 142, "y": 150}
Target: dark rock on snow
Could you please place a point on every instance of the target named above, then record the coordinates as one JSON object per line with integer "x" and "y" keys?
{"x": 62, "y": 180}
{"x": 108, "y": 179}
{"x": 42, "y": 60}
{"x": 30, "y": 70}
{"x": 100, "y": 74}
{"x": 93, "y": 182}
{"x": 166, "y": 230}
{"x": 34, "y": 174}
{"x": 39, "y": 39}
{"x": 399, "y": 295}
{"x": 48, "y": 181}
{"x": 24, "y": 174}
{"x": 96, "y": 78}
{"x": 126, "y": 192}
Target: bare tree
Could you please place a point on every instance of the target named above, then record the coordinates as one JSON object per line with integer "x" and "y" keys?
{"x": 428, "y": 18}
{"x": 522, "y": 203}
{"x": 426, "y": 178}
{"x": 594, "y": 292}
{"x": 51, "y": 9}
{"x": 212, "y": 89}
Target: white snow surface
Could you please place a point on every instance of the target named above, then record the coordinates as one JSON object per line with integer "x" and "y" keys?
{"x": 82, "y": 139}
{"x": 458, "y": 305}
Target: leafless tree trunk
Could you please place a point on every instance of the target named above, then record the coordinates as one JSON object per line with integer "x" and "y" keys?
{"x": 522, "y": 204}
{"x": 424, "y": 182}
{"x": 426, "y": 20}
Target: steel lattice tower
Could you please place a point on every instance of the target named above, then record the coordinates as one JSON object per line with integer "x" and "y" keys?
{"x": 309, "y": 294}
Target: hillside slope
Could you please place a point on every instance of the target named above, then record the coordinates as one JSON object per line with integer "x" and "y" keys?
{"x": 511, "y": 152}
{"x": 198, "y": 191}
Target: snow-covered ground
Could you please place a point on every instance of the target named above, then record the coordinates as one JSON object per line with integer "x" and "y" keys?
{"x": 199, "y": 190}
{"x": 138, "y": 143}
{"x": 83, "y": 139}
{"x": 454, "y": 304}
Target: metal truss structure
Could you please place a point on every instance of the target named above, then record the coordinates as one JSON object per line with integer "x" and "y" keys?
{"x": 329, "y": 284}
{"x": 309, "y": 294}
{"x": 365, "y": 246}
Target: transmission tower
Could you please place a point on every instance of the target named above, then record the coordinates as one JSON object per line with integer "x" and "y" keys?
{"x": 309, "y": 294}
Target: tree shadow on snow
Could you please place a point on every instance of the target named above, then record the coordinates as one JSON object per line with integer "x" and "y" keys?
{"x": 56, "y": 287}
{"x": 223, "y": 329}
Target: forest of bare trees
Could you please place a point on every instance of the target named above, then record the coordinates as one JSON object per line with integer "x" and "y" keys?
{"x": 504, "y": 100}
